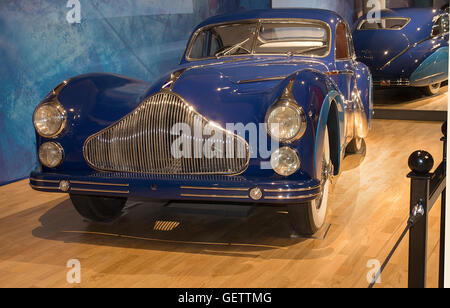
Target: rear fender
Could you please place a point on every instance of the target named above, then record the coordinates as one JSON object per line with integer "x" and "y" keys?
{"x": 432, "y": 70}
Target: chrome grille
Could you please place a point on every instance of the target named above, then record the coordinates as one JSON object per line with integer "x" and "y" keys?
{"x": 142, "y": 142}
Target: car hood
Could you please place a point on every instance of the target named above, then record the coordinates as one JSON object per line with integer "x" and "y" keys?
{"x": 250, "y": 68}
{"x": 238, "y": 90}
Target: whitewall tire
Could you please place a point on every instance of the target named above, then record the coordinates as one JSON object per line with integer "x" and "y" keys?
{"x": 432, "y": 89}
{"x": 308, "y": 218}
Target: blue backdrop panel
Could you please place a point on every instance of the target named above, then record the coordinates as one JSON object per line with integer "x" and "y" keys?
{"x": 39, "y": 48}
{"x": 343, "y": 7}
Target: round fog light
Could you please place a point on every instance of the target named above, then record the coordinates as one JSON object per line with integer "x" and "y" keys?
{"x": 51, "y": 154}
{"x": 285, "y": 161}
{"x": 64, "y": 186}
{"x": 256, "y": 194}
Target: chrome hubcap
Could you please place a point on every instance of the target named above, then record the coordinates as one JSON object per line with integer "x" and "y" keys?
{"x": 327, "y": 175}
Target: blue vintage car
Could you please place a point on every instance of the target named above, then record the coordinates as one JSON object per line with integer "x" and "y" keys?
{"x": 261, "y": 110}
{"x": 405, "y": 48}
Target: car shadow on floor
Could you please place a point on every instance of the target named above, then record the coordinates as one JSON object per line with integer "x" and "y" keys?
{"x": 153, "y": 227}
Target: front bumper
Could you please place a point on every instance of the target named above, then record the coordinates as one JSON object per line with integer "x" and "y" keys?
{"x": 185, "y": 188}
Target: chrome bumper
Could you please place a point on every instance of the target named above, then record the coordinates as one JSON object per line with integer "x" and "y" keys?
{"x": 176, "y": 188}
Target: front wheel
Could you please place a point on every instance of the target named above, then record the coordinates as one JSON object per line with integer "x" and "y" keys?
{"x": 308, "y": 218}
{"x": 432, "y": 89}
{"x": 98, "y": 209}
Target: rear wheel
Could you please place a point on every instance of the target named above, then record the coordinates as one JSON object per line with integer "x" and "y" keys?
{"x": 308, "y": 218}
{"x": 98, "y": 209}
{"x": 432, "y": 89}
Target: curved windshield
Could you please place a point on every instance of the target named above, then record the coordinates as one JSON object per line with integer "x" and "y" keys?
{"x": 306, "y": 38}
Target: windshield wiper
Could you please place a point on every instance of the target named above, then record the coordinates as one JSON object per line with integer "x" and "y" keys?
{"x": 310, "y": 49}
{"x": 227, "y": 51}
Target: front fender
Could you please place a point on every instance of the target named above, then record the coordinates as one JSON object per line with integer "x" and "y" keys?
{"x": 364, "y": 85}
{"x": 333, "y": 109}
{"x": 93, "y": 102}
{"x": 321, "y": 100}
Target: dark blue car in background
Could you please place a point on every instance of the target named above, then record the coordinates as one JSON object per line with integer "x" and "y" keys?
{"x": 405, "y": 48}
{"x": 105, "y": 138}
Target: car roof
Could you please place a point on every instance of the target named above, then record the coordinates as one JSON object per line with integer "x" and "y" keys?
{"x": 315, "y": 14}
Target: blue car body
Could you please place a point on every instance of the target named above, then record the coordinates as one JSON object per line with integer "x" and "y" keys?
{"x": 413, "y": 52}
{"x": 231, "y": 89}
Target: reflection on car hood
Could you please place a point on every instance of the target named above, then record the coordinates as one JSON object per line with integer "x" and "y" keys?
{"x": 241, "y": 69}
{"x": 238, "y": 90}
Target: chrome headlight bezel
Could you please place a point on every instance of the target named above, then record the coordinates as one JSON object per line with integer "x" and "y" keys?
{"x": 300, "y": 113}
{"x": 277, "y": 154}
{"x": 57, "y": 147}
{"x": 60, "y": 113}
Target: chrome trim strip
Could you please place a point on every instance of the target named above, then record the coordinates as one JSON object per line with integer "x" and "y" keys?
{"x": 333, "y": 73}
{"x": 291, "y": 198}
{"x": 44, "y": 181}
{"x": 100, "y": 191}
{"x": 99, "y": 184}
{"x": 214, "y": 196}
{"x": 291, "y": 190}
{"x": 44, "y": 187}
{"x": 262, "y": 79}
{"x": 214, "y": 188}
{"x": 428, "y": 77}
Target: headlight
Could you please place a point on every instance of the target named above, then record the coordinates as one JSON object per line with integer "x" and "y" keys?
{"x": 49, "y": 119}
{"x": 51, "y": 154}
{"x": 285, "y": 161}
{"x": 286, "y": 121}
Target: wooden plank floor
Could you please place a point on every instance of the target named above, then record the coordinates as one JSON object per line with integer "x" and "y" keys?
{"x": 40, "y": 232}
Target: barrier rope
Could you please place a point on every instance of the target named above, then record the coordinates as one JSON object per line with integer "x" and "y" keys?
{"x": 417, "y": 213}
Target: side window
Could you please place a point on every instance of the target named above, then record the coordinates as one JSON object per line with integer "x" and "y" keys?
{"x": 214, "y": 45}
{"x": 199, "y": 46}
{"x": 206, "y": 45}
{"x": 342, "y": 47}
{"x": 396, "y": 23}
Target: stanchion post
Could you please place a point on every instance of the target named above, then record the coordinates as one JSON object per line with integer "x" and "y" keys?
{"x": 443, "y": 218}
{"x": 421, "y": 163}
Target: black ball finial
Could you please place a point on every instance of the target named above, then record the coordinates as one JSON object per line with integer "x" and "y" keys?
{"x": 444, "y": 129}
{"x": 421, "y": 162}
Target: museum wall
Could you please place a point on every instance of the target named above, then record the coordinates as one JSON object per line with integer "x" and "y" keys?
{"x": 343, "y": 7}
{"x": 39, "y": 49}
{"x": 138, "y": 38}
